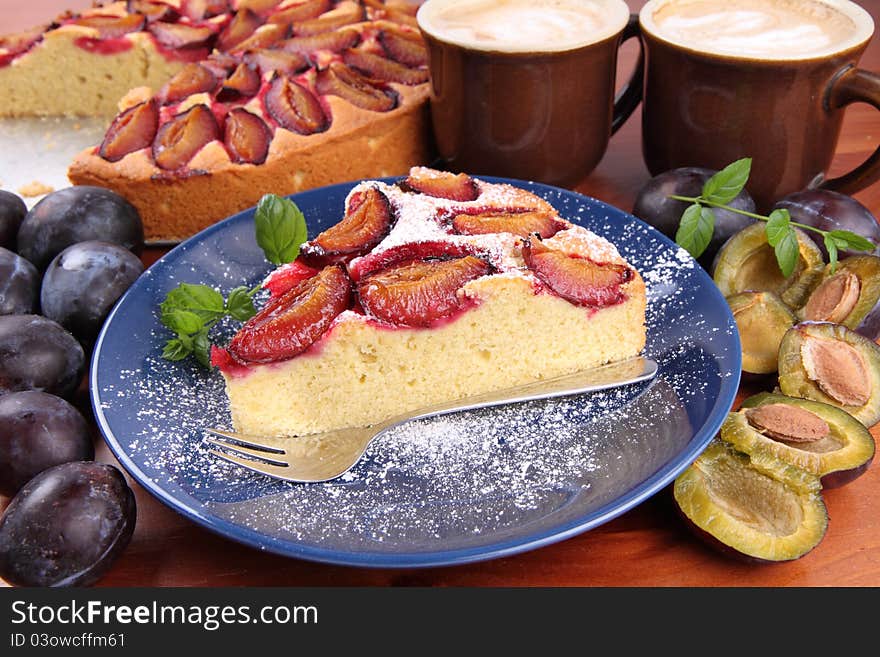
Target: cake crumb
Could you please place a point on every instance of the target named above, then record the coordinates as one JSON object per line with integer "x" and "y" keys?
{"x": 35, "y": 188}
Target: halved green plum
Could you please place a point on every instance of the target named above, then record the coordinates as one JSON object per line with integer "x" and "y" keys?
{"x": 830, "y": 363}
{"x": 748, "y": 262}
{"x": 817, "y": 437}
{"x": 849, "y": 296}
{"x": 762, "y": 319}
{"x": 751, "y": 506}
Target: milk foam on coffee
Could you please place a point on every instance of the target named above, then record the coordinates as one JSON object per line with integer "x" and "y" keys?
{"x": 523, "y": 25}
{"x": 774, "y": 29}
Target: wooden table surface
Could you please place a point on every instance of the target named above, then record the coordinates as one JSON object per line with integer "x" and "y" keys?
{"x": 646, "y": 547}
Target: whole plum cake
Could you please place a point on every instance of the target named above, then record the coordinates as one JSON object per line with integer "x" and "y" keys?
{"x": 435, "y": 288}
{"x": 222, "y": 101}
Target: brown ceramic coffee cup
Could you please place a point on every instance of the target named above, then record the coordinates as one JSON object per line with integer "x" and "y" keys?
{"x": 766, "y": 79}
{"x": 526, "y": 89}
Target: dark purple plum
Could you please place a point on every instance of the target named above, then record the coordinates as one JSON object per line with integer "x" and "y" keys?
{"x": 66, "y": 526}
{"x": 37, "y": 431}
{"x": 827, "y": 210}
{"x": 19, "y": 285}
{"x": 82, "y": 284}
{"x": 12, "y": 212}
{"x": 78, "y": 214}
{"x": 654, "y": 207}
{"x": 39, "y": 354}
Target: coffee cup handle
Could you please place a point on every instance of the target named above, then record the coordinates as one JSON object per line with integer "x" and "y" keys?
{"x": 854, "y": 85}
{"x": 630, "y": 95}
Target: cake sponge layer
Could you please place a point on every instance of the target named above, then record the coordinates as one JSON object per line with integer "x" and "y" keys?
{"x": 59, "y": 78}
{"x": 361, "y": 372}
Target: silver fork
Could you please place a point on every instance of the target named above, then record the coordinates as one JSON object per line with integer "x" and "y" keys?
{"x": 324, "y": 456}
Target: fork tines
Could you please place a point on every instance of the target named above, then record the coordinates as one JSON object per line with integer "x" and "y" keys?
{"x": 246, "y": 451}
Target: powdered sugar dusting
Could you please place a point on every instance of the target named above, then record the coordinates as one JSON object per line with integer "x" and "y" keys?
{"x": 464, "y": 482}
{"x": 422, "y": 218}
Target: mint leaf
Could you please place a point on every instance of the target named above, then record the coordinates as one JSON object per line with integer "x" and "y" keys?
{"x": 202, "y": 300}
{"x": 201, "y": 348}
{"x": 725, "y": 185}
{"x": 191, "y": 310}
{"x": 787, "y": 252}
{"x": 831, "y": 247}
{"x": 175, "y": 349}
{"x": 185, "y": 322}
{"x": 778, "y": 226}
{"x": 280, "y": 228}
{"x": 844, "y": 239}
{"x": 695, "y": 230}
{"x": 240, "y": 305}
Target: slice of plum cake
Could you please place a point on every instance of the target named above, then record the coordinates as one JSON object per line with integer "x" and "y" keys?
{"x": 437, "y": 288}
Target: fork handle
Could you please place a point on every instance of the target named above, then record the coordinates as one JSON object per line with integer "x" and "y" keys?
{"x": 625, "y": 372}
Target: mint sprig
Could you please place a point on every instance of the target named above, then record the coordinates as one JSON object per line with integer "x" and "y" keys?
{"x": 697, "y": 222}
{"x": 191, "y": 310}
{"x": 280, "y": 227}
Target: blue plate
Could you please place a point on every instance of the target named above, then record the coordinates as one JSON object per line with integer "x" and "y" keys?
{"x": 458, "y": 489}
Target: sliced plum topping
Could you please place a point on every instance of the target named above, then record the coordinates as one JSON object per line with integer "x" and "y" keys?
{"x": 258, "y": 6}
{"x": 403, "y": 13}
{"x": 264, "y": 37}
{"x": 344, "y": 14}
{"x": 366, "y": 222}
{"x": 335, "y": 41}
{"x": 288, "y": 276}
{"x": 421, "y": 292}
{"x": 177, "y": 36}
{"x": 294, "y": 107}
{"x": 198, "y": 10}
{"x": 152, "y": 11}
{"x": 112, "y": 27}
{"x": 442, "y": 184}
{"x": 13, "y": 45}
{"x": 23, "y": 40}
{"x": 291, "y": 323}
{"x": 247, "y": 137}
{"x": 301, "y": 11}
{"x": 191, "y": 79}
{"x": 403, "y": 48}
{"x": 267, "y": 61}
{"x": 132, "y": 130}
{"x": 408, "y": 252}
{"x": 576, "y": 279}
{"x": 243, "y": 24}
{"x": 221, "y": 64}
{"x": 343, "y": 81}
{"x": 183, "y": 136}
{"x": 244, "y": 82}
{"x": 380, "y": 68}
{"x": 522, "y": 223}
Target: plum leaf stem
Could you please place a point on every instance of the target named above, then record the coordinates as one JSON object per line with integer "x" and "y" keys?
{"x": 702, "y": 201}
